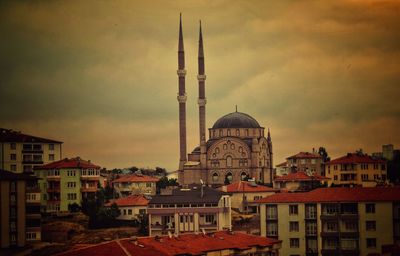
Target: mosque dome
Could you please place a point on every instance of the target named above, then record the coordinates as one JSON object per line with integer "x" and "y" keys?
{"x": 236, "y": 120}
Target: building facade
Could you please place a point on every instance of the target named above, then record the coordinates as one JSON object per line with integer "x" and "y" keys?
{"x": 21, "y": 152}
{"x": 245, "y": 193}
{"x": 189, "y": 210}
{"x": 356, "y": 169}
{"x": 130, "y": 207}
{"x": 19, "y": 209}
{"x": 237, "y": 146}
{"x": 135, "y": 184}
{"x": 66, "y": 182}
{"x": 333, "y": 221}
{"x": 311, "y": 163}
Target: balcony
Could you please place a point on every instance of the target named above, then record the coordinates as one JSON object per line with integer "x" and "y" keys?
{"x": 53, "y": 177}
{"x": 90, "y": 177}
{"x": 349, "y": 215}
{"x": 89, "y": 189}
{"x": 208, "y": 226}
{"x": 326, "y": 233}
{"x": 32, "y": 161}
{"x": 329, "y": 216}
{"x": 32, "y": 151}
{"x": 272, "y": 217}
{"x": 54, "y": 190}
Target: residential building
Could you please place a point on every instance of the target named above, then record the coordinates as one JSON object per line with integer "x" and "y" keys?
{"x": 67, "y": 182}
{"x": 19, "y": 209}
{"x": 131, "y": 206}
{"x": 244, "y": 193}
{"x": 21, "y": 152}
{"x": 135, "y": 184}
{"x": 218, "y": 243}
{"x": 311, "y": 163}
{"x": 299, "y": 181}
{"x": 333, "y": 221}
{"x": 356, "y": 169}
{"x": 189, "y": 209}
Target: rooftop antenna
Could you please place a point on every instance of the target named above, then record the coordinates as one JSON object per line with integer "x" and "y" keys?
{"x": 236, "y": 107}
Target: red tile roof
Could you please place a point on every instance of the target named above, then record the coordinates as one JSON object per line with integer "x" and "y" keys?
{"x": 284, "y": 164}
{"x": 186, "y": 244}
{"x": 358, "y": 194}
{"x": 305, "y": 155}
{"x": 354, "y": 158}
{"x": 245, "y": 186}
{"x": 135, "y": 178}
{"x": 133, "y": 200}
{"x": 8, "y": 135}
{"x": 76, "y": 162}
{"x": 300, "y": 176}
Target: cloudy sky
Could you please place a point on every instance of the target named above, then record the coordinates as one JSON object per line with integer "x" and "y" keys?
{"x": 101, "y": 75}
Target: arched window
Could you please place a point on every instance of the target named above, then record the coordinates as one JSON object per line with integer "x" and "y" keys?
{"x": 228, "y": 161}
{"x": 221, "y": 133}
{"x": 215, "y": 177}
{"x": 217, "y": 150}
{"x": 247, "y": 132}
{"x": 237, "y": 132}
{"x": 214, "y": 134}
{"x": 229, "y": 132}
{"x": 225, "y": 146}
{"x": 228, "y": 178}
{"x": 243, "y": 176}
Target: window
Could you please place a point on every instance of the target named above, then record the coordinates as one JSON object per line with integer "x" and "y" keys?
{"x": 237, "y": 132}
{"x": 51, "y": 157}
{"x": 243, "y": 176}
{"x": 13, "y": 146}
{"x": 13, "y": 167}
{"x": 294, "y": 243}
{"x": 215, "y": 177}
{"x": 228, "y": 161}
{"x": 51, "y": 146}
{"x": 371, "y": 242}
{"x": 311, "y": 228}
{"x": 13, "y": 157}
{"x": 229, "y": 177}
{"x": 272, "y": 212}
{"x": 148, "y": 185}
{"x": 129, "y": 211}
{"x": 125, "y": 212}
{"x": 370, "y": 225}
{"x": 272, "y": 229}
{"x": 293, "y": 226}
{"x": 331, "y": 227}
{"x": 293, "y": 209}
{"x": 364, "y": 177}
{"x": 229, "y": 132}
{"x": 370, "y": 208}
{"x": 209, "y": 218}
{"x": 335, "y": 177}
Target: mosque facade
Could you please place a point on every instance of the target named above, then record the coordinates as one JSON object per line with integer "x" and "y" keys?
{"x": 237, "y": 147}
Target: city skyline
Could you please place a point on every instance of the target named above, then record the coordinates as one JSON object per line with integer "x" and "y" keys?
{"x": 102, "y": 77}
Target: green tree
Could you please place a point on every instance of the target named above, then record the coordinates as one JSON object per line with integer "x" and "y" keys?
{"x": 322, "y": 152}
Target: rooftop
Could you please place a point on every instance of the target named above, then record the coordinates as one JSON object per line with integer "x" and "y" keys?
{"x": 236, "y": 120}
{"x": 133, "y": 200}
{"x": 8, "y": 135}
{"x": 135, "y": 178}
{"x": 75, "y": 162}
{"x": 356, "y": 158}
{"x": 300, "y": 176}
{"x": 187, "y": 244}
{"x": 189, "y": 195}
{"x": 245, "y": 186}
{"x": 339, "y": 194}
{"x": 305, "y": 155}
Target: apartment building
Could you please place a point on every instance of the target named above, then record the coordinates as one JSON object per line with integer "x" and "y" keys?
{"x": 66, "y": 182}
{"x": 19, "y": 209}
{"x": 135, "y": 184}
{"x": 356, "y": 169}
{"x": 21, "y": 152}
{"x": 304, "y": 162}
{"x": 333, "y": 221}
{"x": 244, "y": 193}
{"x": 187, "y": 210}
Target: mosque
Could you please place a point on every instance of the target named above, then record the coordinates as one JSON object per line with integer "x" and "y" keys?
{"x": 237, "y": 147}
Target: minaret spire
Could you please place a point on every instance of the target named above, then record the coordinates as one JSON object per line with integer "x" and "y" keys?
{"x": 202, "y": 97}
{"x": 181, "y": 99}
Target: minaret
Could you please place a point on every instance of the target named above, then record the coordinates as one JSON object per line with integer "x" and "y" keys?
{"x": 202, "y": 99}
{"x": 181, "y": 98}
{"x": 269, "y": 141}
